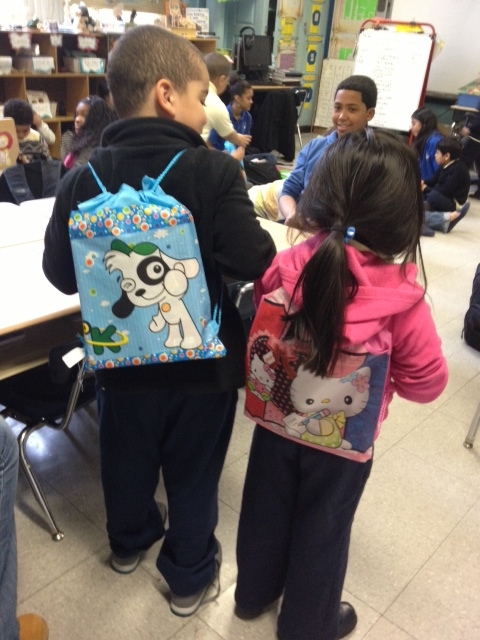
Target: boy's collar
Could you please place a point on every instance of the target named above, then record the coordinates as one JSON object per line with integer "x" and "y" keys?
{"x": 449, "y": 163}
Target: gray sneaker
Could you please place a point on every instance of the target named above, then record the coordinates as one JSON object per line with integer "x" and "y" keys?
{"x": 188, "y": 605}
{"x": 129, "y": 564}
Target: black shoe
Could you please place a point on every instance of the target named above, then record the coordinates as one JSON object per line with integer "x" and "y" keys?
{"x": 463, "y": 213}
{"x": 347, "y": 620}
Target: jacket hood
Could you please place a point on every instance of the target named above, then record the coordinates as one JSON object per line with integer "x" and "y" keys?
{"x": 384, "y": 289}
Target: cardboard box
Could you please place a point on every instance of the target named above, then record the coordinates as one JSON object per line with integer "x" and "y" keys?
{"x": 85, "y": 64}
{"x": 34, "y": 64}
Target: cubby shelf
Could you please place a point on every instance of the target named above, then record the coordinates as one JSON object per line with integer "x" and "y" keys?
{"x": 62, "y": 87}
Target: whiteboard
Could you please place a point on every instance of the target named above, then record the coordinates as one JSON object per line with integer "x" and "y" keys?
{"x": 457, "y": 26}
{"x": 398, "y": 63}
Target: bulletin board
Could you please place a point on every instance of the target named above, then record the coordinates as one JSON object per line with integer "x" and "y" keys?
{"x": 399, "y": 62}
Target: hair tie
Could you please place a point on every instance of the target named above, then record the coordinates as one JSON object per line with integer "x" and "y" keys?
{"x": 349, "y": 234}
{"x": 336, "y": 227}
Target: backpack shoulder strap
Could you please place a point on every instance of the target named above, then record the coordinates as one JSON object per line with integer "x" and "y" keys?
{"x": 99, "y": 182}
{"x": 167, "y": 168}
{"x": 51, "y": 174}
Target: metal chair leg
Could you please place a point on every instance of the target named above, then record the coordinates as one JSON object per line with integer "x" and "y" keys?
{"x": 472, "y": 432}
{"x": 57, "y": 535}
{"x": 299, "y": 136}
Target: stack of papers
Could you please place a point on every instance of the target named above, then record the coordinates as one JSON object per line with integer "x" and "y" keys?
{"x": 287, "y": 76}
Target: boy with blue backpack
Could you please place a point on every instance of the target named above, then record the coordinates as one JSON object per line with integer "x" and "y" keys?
{"x": 175, "y": 417}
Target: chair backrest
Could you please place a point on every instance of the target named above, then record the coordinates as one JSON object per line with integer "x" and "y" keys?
{"x": 300, "y": 96}
{"x": 31, "y": 181}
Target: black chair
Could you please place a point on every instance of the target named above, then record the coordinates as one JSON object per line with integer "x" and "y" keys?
{"x": 241, "y": 293}
{"x": 300, "y": 96}
{"x": 46, "y": 396}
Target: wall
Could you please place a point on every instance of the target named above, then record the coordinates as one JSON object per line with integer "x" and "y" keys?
{"x": 457, "y": 24}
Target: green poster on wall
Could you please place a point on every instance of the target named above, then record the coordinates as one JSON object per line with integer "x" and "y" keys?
{"x": 359, "y": 9}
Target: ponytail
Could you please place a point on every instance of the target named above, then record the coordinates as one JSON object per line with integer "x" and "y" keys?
{"x": 327, "y": 284}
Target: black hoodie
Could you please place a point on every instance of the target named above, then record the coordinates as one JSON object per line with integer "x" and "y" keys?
{"x": 232, "y": 243}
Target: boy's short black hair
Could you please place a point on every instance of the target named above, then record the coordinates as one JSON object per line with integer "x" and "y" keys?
{"x": 364, "y": 85}
{"x": 217, "y": 65}
{"x": 451, "y": 146}
{"x": 141, "y": 58}
{"x": 19, "y": 110}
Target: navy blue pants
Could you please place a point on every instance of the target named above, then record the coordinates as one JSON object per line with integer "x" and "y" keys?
{"x": 294, "y": 533}
{"x": 186, "y": 436}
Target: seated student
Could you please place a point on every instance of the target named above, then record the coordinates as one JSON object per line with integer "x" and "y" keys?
{"x": 33, "y": 145}
{"x": 42, "y": 127}
{"x": 99, "y": 116}
{"x": 425, "y": 139}
{"x": 471, "y": 148}
{"x": 81, "y": 111}
{"x": 219, "y": 69}
{"x": 29, "y": 626}
{"x": 353, "y": 108}
{"x": 450, "y": 184}
{"x": 238, "y": 110}
{"x": 241, "y": 93}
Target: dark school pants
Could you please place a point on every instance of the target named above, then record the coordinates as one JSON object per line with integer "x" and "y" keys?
{"x": 294, "y": 532}
{"x": 439, "y": 202}
{"x": 186, "y": 436}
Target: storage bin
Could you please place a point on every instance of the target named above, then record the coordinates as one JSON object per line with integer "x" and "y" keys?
{"x": 468, "y": 100}
{"x": 34, "y": 64}
{"x": 86, "y": 64}
{"x": 5, "y": 65}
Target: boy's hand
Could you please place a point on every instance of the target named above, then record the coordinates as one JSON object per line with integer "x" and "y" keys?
{"x": 244, "y": 141}
{"x": 37, "y": 121}
{"x": 465, "y": 131}
{"x": 423, "y": 186}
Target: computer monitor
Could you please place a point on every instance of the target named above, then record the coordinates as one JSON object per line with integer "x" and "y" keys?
{"x": 253, "y": 54}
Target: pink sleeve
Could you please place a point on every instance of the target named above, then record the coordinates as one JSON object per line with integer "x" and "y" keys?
{"x": 268, "y": 282}
{"x": 418, "y": 368}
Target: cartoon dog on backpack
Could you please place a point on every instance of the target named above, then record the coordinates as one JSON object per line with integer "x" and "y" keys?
{"x": 151, "y": 277}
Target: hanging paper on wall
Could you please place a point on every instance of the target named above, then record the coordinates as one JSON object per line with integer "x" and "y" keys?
{"x": 287, "y": 26}
{"x": 311, "y": 58}
{"x": 290, "y": 8}
{"x": 315, "y": 18}
{"x": 286, "y": 56}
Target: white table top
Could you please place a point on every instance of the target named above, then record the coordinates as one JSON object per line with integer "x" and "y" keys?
{"x": 283, "y": 236}
{"x": 27, "y": 296}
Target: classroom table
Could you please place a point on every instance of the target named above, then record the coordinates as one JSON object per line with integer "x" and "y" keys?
{"x": 35, "y": 316}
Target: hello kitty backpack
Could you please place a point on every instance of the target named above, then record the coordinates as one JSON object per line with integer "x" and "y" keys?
{"x": 338, "y": 414}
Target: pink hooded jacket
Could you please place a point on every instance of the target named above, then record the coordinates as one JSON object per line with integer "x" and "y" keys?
{"x": 389, "y": 314}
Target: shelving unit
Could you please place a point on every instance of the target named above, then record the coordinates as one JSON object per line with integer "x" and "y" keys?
{"x": 62, "y": 87}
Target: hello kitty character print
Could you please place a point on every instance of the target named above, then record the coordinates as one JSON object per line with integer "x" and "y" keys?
{"x": 338, "y": 414}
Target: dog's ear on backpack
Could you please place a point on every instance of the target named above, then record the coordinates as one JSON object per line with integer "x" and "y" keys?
{"x": 123, "y": 307}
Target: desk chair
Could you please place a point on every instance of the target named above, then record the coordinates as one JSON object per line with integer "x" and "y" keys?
{"x": 45, "y": 396}
{"x": 242, "y": 295}
{"x": 472, "y": 432}
{"x": 300, "y": 97}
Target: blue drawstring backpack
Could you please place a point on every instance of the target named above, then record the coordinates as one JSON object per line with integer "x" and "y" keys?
{"x": 143, "y": 292}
